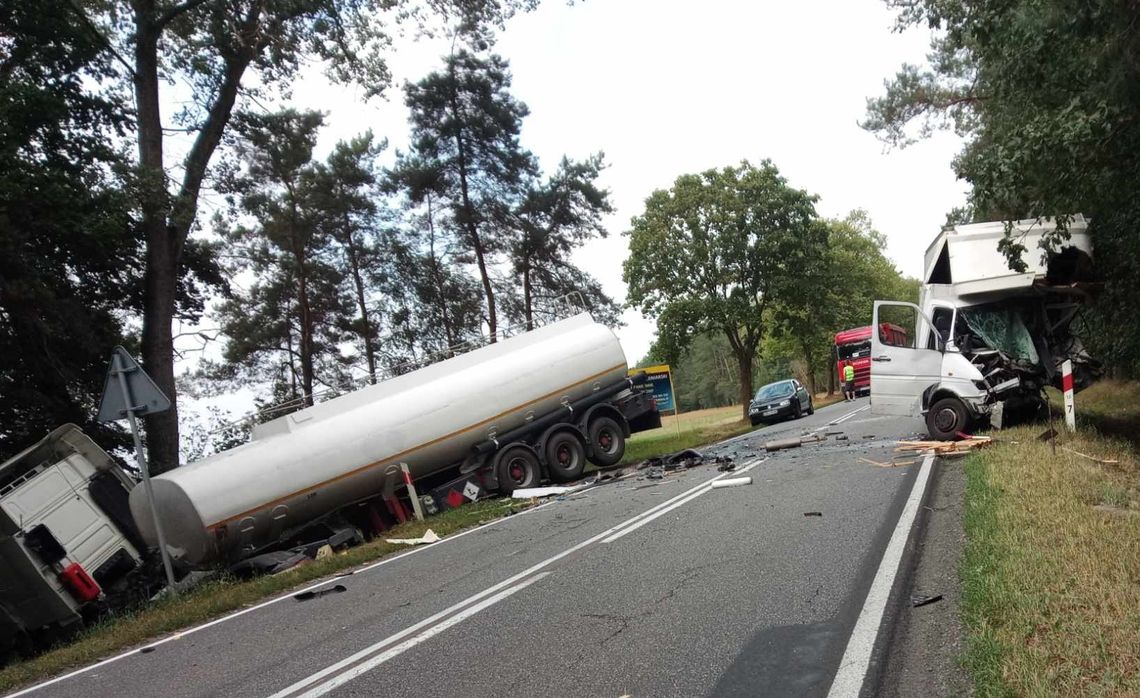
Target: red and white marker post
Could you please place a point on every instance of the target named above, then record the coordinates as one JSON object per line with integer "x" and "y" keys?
{"x": 1067, "y": 387}
{"x": 416, "y": 507}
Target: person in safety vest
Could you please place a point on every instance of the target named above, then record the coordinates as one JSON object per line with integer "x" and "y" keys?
{"x": 849, "y": 381}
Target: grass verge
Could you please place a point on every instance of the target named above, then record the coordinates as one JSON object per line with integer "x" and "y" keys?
{"x": 217, "y": 598}
{"x": 1051, "y": 570}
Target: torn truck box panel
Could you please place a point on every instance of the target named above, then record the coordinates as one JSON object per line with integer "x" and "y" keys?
{"x": 967, "y": 256}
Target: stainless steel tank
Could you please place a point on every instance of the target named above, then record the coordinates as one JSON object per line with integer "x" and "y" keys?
{"x": 314, "y": 461}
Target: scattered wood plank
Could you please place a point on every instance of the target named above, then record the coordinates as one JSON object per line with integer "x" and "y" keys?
{"x": 892, "y": 464}
{"x": 1102, "y": 461}
{"x": 944, "y": 447}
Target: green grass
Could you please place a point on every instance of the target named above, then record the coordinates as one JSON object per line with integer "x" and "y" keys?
{"x": 217, "y": 598}
{"x": 1051, "y": 569}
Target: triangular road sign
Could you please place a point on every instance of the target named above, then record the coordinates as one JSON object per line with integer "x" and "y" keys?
{"x": 144, "y": 398}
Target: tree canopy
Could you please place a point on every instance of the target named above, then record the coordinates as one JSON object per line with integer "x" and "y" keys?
{"x": 716, "y": 253}
{"x": 1045, "y": 94}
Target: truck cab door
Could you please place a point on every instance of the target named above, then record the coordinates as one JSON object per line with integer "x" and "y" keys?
{"x": 901, "y": 368}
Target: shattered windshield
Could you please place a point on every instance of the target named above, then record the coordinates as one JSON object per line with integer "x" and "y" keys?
{"x": 773, "y": 391}
{"x": 1001, "y": 327}
{"x": 854, "y": 351}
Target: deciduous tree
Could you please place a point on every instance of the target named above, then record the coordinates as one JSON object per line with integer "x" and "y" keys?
{"x": 717, "y": 252}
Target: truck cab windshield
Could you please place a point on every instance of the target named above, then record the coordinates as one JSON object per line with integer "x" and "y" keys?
{"x": 854, "y": 351}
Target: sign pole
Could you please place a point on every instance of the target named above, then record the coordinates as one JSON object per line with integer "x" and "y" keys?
{"x": 119, "y": 370}
{"x": 1067, "y": 387}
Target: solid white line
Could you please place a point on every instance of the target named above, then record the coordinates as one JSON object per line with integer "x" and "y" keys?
{"x": 288, "y": 595}
{"x": 705, "y": 487}
{"x": 406, "y": 645}
{"x": 352, "y": 659}
{"x": 857, "y": 657}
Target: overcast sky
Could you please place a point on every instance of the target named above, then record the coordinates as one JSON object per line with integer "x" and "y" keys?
{"x": 665, "y": 87}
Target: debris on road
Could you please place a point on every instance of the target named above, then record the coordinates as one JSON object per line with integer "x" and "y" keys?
{"x": 814, "y": 513}
{"x": 309, "y": 595}
{"x": 781, "y": 444}
{"x": 429, "y": 536}
{"x": 945, "y": 448}
{"x": 841, "y": 437}
{"x": 532, "y": 492}
{"x": 731, "y": 482}
{"x": 726, "y": 466}
{"x": 891, "y": 464}
{"x": 917, "y": 600}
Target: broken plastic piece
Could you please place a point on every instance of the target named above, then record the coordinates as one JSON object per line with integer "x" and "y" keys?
{"x": 309, "y": 595}
{"x": 917, "y": 600}
{"x": 731, "y": 482}
{"x": 813, "y": 513}
{"x": 429, "y": 536}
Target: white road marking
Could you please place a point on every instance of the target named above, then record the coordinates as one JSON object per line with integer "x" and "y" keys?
{"x": 857, "y": 657}
{"x": 406, "y": 645}
{"x": 849, "y": 415}
{"x": 667, "y": 507}
{"x": 474, "y": 599}
{"x": 288, "y": 595}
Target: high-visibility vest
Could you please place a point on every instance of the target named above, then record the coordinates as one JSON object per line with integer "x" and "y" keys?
{"x": 848, "y": 372}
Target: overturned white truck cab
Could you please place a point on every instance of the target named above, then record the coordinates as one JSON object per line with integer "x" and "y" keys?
{"x": 986, "y": 339}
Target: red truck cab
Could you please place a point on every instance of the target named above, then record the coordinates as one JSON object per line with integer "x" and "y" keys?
{"x": 854, "y": 347}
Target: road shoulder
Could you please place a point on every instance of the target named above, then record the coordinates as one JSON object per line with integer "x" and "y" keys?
{"x": 926, "y": 642}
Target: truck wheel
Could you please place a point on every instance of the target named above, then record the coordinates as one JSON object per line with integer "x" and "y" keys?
{"x": 517, "y": 469}
{"x": 565, "y": 456}
{"x": 607, "y": 441}
{"x": 947, "y": 417}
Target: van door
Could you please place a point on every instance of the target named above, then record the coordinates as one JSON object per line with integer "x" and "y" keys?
{"x": 901, "y": 368}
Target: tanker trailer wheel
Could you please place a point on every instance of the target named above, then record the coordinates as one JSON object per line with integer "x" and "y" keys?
{"x": 946, "y": 418}
{"x": 607, "y": 441}
{"x": 517, "y": 468}
{"x": 565, "y": 456}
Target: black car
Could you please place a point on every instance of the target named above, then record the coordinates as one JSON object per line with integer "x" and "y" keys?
{"x": 780, "y": 400}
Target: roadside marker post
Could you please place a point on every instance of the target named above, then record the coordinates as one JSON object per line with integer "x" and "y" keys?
{"x": 1067, "y": 387}
{"x": 417, "y": 508}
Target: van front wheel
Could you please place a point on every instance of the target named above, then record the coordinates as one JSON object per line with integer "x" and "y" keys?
{"x": 946, "y": 418}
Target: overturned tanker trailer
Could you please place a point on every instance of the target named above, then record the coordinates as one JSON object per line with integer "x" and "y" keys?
{"x": 987, "y": 339}
{"x": 532, "y": 407}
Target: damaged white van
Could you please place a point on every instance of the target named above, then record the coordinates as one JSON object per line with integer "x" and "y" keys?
{"x": 986, "y": 340}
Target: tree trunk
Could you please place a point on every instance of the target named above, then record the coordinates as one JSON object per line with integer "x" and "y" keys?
{"x": 744, "y": 361}
{"x": 437, "y": 275}
{"x": 358, "y": 282}
{"x": 809, "y": 359}
{"x": 527, "y": 310}
{"x": 160, "y": 280}
{"x": 831, "y": 372}
{"x": 166, "y": 225}
{"x": 469, "y": 223}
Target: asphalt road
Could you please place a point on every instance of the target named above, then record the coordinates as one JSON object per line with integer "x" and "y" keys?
{"x": 638, "y": 588}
